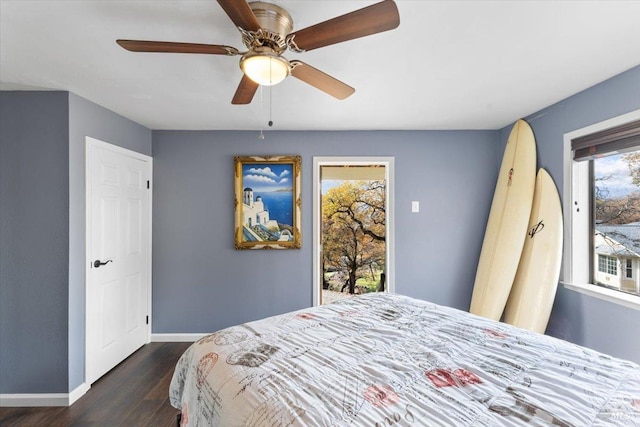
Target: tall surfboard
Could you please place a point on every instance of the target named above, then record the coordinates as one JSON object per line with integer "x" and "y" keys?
{"x": 534, "y": 288}
{"x": 507, "y": 224}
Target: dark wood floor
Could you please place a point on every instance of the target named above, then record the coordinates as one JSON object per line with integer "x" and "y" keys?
{"x": 134, "y": 393}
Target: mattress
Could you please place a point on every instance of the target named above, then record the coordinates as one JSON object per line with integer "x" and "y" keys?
{"x": 390, "y": 360}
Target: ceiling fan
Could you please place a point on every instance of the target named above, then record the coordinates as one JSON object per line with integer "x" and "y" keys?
{"x": 266, "y": 32}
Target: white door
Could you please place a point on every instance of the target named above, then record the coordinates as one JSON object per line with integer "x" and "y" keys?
{"x": 118, "y": 255}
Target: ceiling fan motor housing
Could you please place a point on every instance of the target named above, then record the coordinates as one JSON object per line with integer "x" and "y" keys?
{"x": 275, "y": 24}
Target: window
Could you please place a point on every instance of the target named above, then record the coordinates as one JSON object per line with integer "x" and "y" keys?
{"x": 615, "y": 204}
{"x": 607, "y": 265}
{"x": 602, "y": 209}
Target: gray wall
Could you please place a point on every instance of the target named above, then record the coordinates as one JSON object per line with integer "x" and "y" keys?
{"x": 582, "y": 319}
{"x": 88, "y": 119}
{"x": 34, "y": 223}
{"x": 200, "y": 283}
{"x": 42, "y": 233}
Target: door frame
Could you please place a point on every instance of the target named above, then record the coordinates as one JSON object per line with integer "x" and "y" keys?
{"x": 90, "y": 145}
{"x": 388, "y": 163}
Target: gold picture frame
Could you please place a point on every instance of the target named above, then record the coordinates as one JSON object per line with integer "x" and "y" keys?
{"x": 268, "y": 205}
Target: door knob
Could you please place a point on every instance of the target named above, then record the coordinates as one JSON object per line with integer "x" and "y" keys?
{"x": 97, "y": 263}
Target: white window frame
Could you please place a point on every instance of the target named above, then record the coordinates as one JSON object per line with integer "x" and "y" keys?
{"x": 576, "y": 202}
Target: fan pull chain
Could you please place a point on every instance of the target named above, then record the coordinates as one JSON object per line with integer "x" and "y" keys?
{"x": 261, "y": 136}
{"x": 270, "y": 103}
{"x": 270, "y": 95}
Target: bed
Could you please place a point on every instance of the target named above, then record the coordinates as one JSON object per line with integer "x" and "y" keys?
{"x": 390, "y": 360}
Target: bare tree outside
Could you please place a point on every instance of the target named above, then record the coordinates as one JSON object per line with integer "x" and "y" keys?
{"x": 617, "y": 201}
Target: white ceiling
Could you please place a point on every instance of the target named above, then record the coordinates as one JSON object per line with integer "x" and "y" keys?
{"x": 450, "y": 64}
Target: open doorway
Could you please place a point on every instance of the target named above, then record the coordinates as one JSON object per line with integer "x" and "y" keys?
{"x": 353, "y": 227}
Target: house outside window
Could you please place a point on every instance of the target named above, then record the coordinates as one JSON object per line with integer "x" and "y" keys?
{"x": 602, "y": 210}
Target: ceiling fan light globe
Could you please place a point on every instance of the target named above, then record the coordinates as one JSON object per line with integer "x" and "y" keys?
{"x": 266, "y": 70}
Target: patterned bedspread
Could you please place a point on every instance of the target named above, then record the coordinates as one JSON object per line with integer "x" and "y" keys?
{"x": 389, "y": 360}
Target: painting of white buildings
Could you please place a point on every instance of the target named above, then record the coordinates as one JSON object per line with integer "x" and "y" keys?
{"x": 256, "y": 222}
{"x": 267, "y": 202}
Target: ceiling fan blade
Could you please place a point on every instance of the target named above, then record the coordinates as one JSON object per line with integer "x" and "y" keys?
{"x": 241, "y": 14}
{"x": 173, "y": 47}
{"x": 373, "y": 19}
{"x": 245, "y": 92}
{"x": 321, "y": 80}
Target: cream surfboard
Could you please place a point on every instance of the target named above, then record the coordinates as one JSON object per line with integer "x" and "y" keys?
{"x": 534, "y": 288}
{"x": 507, "y": 224}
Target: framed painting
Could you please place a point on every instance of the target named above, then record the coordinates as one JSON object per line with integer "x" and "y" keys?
{"x": 268, "y": 205}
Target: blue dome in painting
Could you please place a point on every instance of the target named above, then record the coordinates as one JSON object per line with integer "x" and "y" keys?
{"x": 248, "y": 189}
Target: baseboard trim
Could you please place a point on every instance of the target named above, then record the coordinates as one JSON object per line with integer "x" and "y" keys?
{"x": 78, "y": 392}
{"x": 177, "y": 337}
{"x": 19, "y": 400}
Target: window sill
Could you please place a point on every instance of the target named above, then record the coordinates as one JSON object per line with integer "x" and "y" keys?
{"x": 616, "y": 297}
